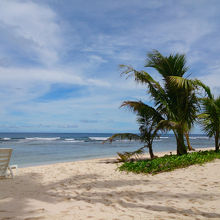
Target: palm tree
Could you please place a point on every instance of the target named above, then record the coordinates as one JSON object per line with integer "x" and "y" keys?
{"x": 210, "y": 116}
{"x": 148, "y": 119}
{"x": 175, "y": 98}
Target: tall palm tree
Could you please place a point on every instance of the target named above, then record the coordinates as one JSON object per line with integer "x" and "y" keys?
{"x": 175, "y": 98}
{"x": 148, "y": 119}
{"x": 210, "y": 116}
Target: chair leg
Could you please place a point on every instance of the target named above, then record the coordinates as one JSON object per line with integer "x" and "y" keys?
{"x": 11, "y": 172}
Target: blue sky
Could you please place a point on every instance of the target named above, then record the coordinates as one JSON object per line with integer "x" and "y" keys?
{"x": 59, "y": 59}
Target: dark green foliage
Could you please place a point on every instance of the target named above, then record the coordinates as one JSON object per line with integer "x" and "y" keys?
{"x": 122, "y": 136}
{"x": 210, "y": 115}
{"x": 169, "y": 162}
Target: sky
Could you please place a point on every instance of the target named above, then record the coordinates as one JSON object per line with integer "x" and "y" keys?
{"x": 59, "y": 60}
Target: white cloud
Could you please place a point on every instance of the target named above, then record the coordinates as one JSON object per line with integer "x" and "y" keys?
{"x": 97, "y": 59}
{"x": 213, "y": 81}
{"x": 38, "y": 75}
{"x": 36, "y": 24}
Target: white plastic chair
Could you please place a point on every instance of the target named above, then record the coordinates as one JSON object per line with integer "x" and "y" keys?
{"x": 5, "y": 156}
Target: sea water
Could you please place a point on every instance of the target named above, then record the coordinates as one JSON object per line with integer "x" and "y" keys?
{"x": 30, "y": 149}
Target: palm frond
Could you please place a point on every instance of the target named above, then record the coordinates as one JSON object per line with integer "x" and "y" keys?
{"x": 125, "y": 156}
{"x": 167, "y": 125}
{"x": 142, "y": 109}
{"x": 172, "y": 65}
{"x": 184, "y": 83}
{"x": 122, "y": 136}
{"x": 180, "y": 82}
{"x": 140, "y": 76}
{"x": 206, "y": 88}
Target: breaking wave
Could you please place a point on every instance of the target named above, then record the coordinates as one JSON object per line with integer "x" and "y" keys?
{"x": 98, "y": 138}
{"x": 42, "y": 139}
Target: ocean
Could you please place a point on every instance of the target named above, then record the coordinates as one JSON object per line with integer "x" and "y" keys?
{"x": 31, "y": 149}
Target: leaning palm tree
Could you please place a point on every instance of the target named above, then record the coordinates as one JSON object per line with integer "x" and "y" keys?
{"x": 175, "y": 98}
{"x": 148, "y": 119}
{"x": 210, "y": 116}
{"x": 190, "y": 148}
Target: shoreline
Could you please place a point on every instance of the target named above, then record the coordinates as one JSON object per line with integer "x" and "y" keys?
{"x": 146, "y": 155}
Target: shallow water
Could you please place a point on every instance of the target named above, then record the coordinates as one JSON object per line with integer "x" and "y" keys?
{"x": 31, "y": 149}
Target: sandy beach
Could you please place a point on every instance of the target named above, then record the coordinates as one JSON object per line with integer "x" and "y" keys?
{"x": 94, "y": 189}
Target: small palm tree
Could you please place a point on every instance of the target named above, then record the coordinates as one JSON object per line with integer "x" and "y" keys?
{"x": 210, "y": 116}
{"x": 148, "y": 119}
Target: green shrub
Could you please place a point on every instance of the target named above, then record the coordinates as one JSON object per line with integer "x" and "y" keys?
{"x": 169, "y": 162}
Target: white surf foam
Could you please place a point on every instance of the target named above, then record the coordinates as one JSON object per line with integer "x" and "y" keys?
{"x": 98, "y": 138}
{"x": 42, "y": 139}
{"x": 75, "y": 141}
{"x": 199, "y": 137}
{"x": 72, "y": 140}
{"x": 6, "y": 139}
{"x": 69, "y": 139}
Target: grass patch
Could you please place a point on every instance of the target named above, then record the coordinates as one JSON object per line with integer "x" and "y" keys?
{"x": 169, "y": 162}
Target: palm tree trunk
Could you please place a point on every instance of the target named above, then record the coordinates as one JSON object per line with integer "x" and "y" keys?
{"x": 217, "y": 141}
{"x": 181, "y": 148}
{"x": 149, "y": 146}
{"x": 151, "y": 152}
{"x": 188, "y": 142}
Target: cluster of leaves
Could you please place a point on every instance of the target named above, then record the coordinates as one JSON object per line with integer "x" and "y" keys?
{"x": 125, "y": 156}
{"x": 175, "y": 103}
{"x": 169, "y": 162}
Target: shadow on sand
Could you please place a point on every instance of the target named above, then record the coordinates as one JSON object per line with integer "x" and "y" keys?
{"x": 86, "y": 188}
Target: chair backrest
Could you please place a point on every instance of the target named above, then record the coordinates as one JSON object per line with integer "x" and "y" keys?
{"x": 5, "y": 155}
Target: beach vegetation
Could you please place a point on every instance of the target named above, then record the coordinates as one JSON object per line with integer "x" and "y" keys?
{"x": 210, "y": 115}
{"x": 169, "y": 162}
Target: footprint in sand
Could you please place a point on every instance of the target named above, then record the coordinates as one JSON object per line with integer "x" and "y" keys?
{"x": 37, "y": 210}
{"x": 192, "y": 200}
{"x": 35, "y": 218}
{"x": 7, "y": 218}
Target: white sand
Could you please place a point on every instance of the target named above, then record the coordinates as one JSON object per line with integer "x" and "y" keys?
{"x": 94, "y": 189}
